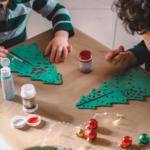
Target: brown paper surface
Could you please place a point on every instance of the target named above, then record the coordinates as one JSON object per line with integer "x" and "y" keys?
{"x": 57, "y": 103}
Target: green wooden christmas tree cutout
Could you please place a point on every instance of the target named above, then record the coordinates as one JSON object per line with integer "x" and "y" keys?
{"x": 130, "y": 85}
{"x": 38, "y": 67}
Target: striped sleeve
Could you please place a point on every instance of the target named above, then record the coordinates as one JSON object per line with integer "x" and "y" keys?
{"x": 56, "y": 13}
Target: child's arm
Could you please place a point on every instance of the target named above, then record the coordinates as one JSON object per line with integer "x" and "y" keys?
{"x": 121, "y": 61}
{"x": 62, "y": 27}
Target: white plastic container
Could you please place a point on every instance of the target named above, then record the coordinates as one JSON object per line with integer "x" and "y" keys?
{"x": 7, "y": 80}
{"x": 18, "y": 122}
{"x": 28, "y": 94}
{"x": 85, "y": 61}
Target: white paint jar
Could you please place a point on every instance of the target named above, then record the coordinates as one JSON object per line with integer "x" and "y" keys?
{"x": 28, "y": 94}
{"x": 85, "y": 61}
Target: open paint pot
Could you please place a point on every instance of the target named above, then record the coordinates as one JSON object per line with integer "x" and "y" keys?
{"x": 20, "y": 121}
{"x": 33, "y": 120}
{"x": 85, "y": 61}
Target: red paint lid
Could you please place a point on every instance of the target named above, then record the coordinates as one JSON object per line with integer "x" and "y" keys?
{"x": 85, "y": 55}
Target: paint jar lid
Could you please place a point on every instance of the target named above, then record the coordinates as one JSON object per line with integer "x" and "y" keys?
{"x": 30, "y": 110}
{"x": 5, "y": 62}
{"x": 33, "y": 120}
{"x": 18, "y": 122}
{"x": 5, "y": 71}
{"x": 85, "y": 55}
{"x": 28, "y": 91}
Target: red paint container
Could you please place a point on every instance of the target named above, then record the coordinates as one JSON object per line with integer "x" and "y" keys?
{"x": 33, "y": 120}
{"x": 85, "y": 61}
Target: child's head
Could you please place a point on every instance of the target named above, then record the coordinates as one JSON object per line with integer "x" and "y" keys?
{"x": 135, "y": 15}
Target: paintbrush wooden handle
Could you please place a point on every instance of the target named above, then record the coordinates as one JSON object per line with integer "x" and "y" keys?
{"x": 121, "y": 53}
{"x": 11, "y": 55}
{"x": 104, "y": 51}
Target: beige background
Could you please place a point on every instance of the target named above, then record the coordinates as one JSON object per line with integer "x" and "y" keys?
{"x": 57, "y": 102}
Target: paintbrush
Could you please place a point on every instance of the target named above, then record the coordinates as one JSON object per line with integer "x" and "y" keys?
{"x": 17, "y": 58}
{"x": 122, "y": 53}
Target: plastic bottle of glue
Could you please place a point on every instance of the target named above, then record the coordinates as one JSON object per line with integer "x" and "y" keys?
{"x": 7, "y": 80}
{"x": 85, "y": 61}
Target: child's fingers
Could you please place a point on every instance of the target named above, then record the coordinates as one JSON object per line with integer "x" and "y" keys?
{"x": 117, "y": 51}
{"x": 48, "y": 48}
{"x": 3, "y": 55}
{"x": 117, "y": 60}
{"x": 125, "y": 62}
{"x": 59, "y": 51}
{"x": 121, "y": 49}
{"x": 65, "y": 53}
{"x": 69, "y": 48}
{"x": 53, "y": 52}
{"x": 110, "y": 55}
{"x": 2, "y": 50}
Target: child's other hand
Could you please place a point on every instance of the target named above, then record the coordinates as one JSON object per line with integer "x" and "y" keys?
{"x": 58, "y": 46}
{"x": 3, "y": 52}
{"x": 118, "y": 60}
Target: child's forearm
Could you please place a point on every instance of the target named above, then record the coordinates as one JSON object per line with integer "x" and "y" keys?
{"x": 133, "y": 59}
{"x": 62, "y": 33}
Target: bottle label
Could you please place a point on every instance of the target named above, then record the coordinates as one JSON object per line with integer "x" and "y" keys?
{"x": 8, "y": 88}
{"x": 29, "y": 103}
{"x": 86, "y": 67}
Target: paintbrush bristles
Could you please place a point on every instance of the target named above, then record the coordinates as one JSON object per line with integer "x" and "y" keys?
{"x": 104, "y": 51}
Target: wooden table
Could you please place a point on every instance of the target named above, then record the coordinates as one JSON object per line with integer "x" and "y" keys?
{"x": 57, "y": 102}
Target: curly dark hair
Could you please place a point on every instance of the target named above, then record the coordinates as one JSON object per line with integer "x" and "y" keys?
{"x": 135, "y": 15}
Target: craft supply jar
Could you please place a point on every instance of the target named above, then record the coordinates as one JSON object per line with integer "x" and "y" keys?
{"x": 85, "y": 61}
{"x": 28, "y": 94}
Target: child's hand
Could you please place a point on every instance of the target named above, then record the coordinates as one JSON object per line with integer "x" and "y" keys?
{"x": 121, "y": 60}
{"x": 59, "y": 46}
{"x": 3, "y": 52}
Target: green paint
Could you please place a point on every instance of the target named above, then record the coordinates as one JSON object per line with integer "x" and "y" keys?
{"x": 130, "y": 85}
{"x": 42, "y": 69}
